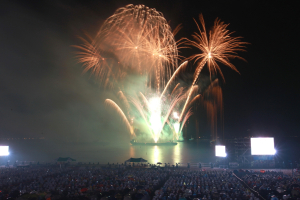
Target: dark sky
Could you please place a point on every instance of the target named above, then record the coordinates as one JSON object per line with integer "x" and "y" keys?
{"x": 44, "y": 93}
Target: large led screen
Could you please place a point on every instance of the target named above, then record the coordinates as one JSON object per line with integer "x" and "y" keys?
{"x": 262, "y": 146}
{"x": 220, "y": 151}
{"x": 4, "y": 151}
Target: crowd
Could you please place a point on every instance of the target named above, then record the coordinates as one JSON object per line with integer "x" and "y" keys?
{"x": 189, "y": 184}
{"x": 78, "y": 182}
{"x": 124, "y": 182}
{"x": 272, "y": 184}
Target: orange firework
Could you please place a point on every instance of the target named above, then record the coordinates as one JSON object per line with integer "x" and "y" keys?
{"x": 101, "y": 63}
{"x": 217, "y": 45}
{"x": 136, "y": 39}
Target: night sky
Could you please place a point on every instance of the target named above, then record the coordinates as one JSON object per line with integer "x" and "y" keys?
{"x": 43, "y": 92}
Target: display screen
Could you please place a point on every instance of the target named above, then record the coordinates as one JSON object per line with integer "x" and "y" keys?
{"x": 220, "y": 151}
{"x": 4, "y": 150}
{"x": 262, "y": 146}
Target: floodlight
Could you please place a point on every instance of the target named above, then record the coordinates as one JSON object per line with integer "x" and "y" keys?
{"x": 220, "y": 151}
{"x": 4, "y": 150}
{"x": 262, "y": 146}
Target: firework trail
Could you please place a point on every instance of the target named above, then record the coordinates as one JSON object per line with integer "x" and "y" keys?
{"x": 191, "y": 91}
{"x": 181, "y": 67}
{"x": 125, "y": 101}
{"x": 197, "y": 97}
{"x": 173, "y": 129}
{"x": 172, "y": 106}
{"x": 115, "y": 106}
{"x": 212, "y": 100}
{"x": 145, "y": 100}
{"x": 141, "y": 111}
{"x": 188, "y": 114}
{"x": 176, "y": 90}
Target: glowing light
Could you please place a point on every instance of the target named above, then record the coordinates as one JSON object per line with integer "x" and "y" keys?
{"x": 155, "y": 116}
{"x": 4, "y": 150}
{"x": 175, "y": 115}
{"x": 154, "y": 104}
{"x": 262, "y": 146}
{"x": 177, "y": 154}
{"x": 220, "y": 151}
{"x": 209, "y": 55}
{"x": 156, "y": 154}
{"x": 176, "y": 127}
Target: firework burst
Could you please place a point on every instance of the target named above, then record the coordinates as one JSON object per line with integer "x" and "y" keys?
{"x": 136, "y": 39}
{"x": 165, "y": 113}
{"x": 216, "y": 46}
